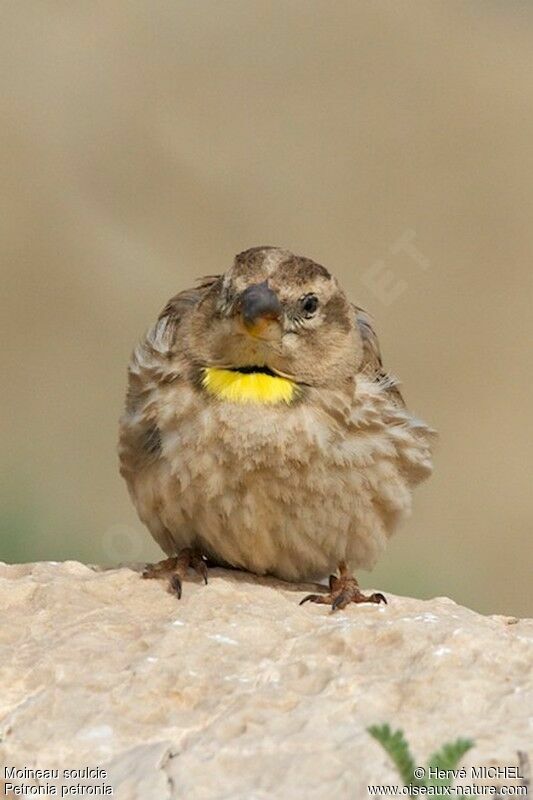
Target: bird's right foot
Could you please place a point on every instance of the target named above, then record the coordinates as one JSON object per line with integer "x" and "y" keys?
{"x": 343, "y": 589}
{"x": 175, "y": 569}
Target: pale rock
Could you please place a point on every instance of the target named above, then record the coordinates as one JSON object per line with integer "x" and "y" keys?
{"x": 238, "y": 692}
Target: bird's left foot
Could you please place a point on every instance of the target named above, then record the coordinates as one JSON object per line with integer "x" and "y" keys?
{"x": 176, "y": 569}
{"x": 343, "y": 590}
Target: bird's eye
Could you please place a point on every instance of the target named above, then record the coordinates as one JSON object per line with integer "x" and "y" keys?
{"x": 309, "y": 303}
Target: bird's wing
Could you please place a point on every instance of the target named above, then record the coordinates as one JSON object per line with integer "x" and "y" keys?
{"x": 165, "y": 332}
{"x": 158, "y": 359}
{"x": 183, "y": 302}
{"x": 372, "y": 364}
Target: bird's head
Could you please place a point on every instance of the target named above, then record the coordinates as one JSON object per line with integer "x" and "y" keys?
{"x": 276, "y": 312}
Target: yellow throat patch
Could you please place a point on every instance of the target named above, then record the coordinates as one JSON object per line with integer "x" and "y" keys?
{"x": 248, "y": 387}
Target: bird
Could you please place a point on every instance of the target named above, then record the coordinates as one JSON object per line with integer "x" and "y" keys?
{"x": 261, "y": 431}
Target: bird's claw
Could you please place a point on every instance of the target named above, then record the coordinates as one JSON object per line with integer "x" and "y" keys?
{"x": 315, "y": 598}
{"x": 175, "y": 586}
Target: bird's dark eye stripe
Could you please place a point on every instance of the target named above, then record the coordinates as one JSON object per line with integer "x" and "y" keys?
{"x": 309, "y": 303}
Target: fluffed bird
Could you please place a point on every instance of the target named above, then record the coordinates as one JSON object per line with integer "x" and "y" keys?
{"x": 262, "y": 432}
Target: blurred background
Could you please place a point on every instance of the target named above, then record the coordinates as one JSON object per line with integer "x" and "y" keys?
{"x": 145, "y": 143}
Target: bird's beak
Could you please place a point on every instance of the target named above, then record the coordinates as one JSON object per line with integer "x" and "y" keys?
{"x": 261, "y": 311}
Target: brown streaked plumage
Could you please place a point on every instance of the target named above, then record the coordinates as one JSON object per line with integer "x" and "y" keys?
{"x": 261, "y": 430}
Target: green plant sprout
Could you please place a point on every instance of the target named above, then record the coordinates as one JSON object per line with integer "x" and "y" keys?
{"x": 445, "y": 760}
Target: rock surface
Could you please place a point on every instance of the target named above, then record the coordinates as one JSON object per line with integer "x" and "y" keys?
{"x": 237, "y": 692}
